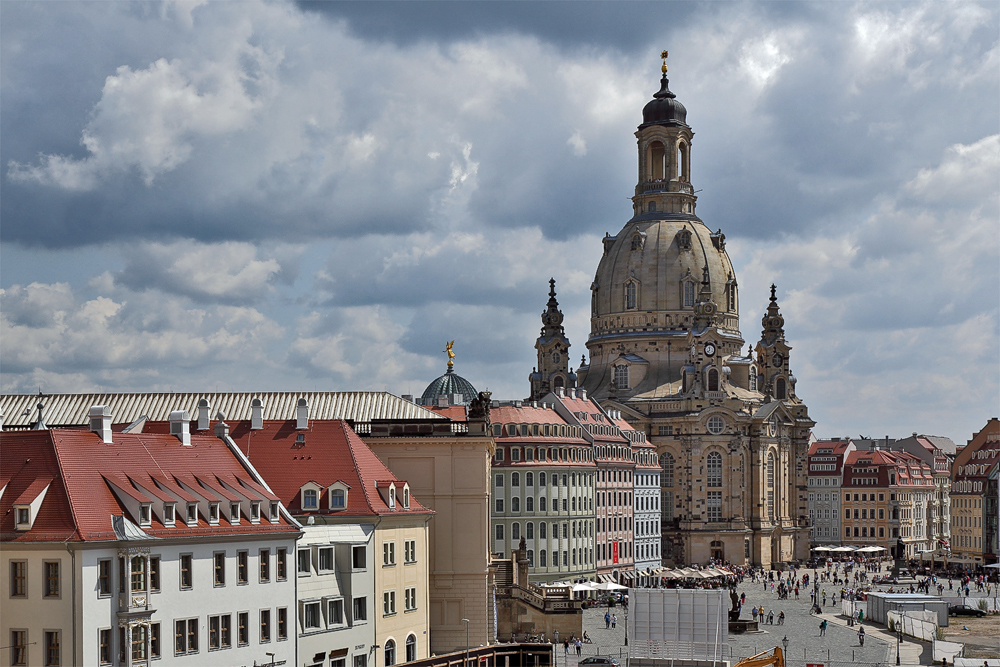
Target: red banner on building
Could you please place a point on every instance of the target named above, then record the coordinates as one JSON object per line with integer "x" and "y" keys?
{"x": 614, "y": 552}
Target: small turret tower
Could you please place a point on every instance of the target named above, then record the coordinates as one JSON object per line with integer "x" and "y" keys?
{"x": 553, "y": 369}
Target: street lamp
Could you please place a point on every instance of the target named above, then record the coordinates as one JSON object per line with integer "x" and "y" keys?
{"x": 626, "y": 625}
{"x": 271, "y": 655}
{"x": 784, "y": 643}
{"x": 466, "y": 621}
{"x": 899, "y": 640}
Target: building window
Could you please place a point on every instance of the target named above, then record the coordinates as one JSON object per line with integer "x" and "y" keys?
{"x": 411, "y": 648}
{"x": 103, "y": 647}
{"x": 265, "y": 626}
{"x": 770, "y": 485}
{"x": 186, "y": 576}
{"x": 281, "y": 563}
{"x": 19, "y": 578}
{"x": 310, "y": 616}
{"x": 753, "y": 378}
{"x": 388, "y": 603}
{"x": 621, "y": 376}
{"x": 242, "y": 567}
{"x": 335, "y": 612}
{"x": 19, "y": 647}
{"x": 713, "y": 379}
{"x": 714, "y": 469}
{"x": 154, "y": 574}
{"x": 154, "y": 640}
{"x": 515, "y": 478}
{"x": 499, "y": 505}
{"x": 499, "y": 531}
{"x": 529, "y": 504}
{"x": 630, "y": 296}
{"x": 359, "y": 558}
{"x": 667, "y": 467}
{"x": 51, "y": 579}
{"x": 410, "y": 598}
{"x": 541, "y": 558}
{"x": 326, "y": 559}
{"x": 139, "y": 645}
{"x": 265, "y": 565}
{"x": 282, "y": 624}
{"x": 310, "y": 499}
{"x": 779, "y": 390}
{"x": 138, "y": 571}
{"x": 220, "y": 568}
{"x": 338, "y": 499}
{"x": 410, "y": 551}
{"x": 716, "y": 424}
{"x": 304, "y": 562}
{"x": 688, "y": 294}
{"x": 388, "y": 553}
{"x": 53, "y": 654}
{"x": 515, "y": 531}
{"x": 515, "y": 504}
{"x": 390, "y": 653}
{"x": 360, "y": 609}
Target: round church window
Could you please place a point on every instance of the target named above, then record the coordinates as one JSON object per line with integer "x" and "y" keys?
{"x": 716, "y": 425}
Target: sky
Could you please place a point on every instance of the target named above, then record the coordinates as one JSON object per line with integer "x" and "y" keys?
{"x": 318, "y": 196}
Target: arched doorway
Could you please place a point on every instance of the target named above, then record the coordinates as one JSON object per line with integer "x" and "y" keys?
{"x": 718, "y": 551}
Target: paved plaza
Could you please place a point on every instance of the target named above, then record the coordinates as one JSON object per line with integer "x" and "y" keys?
{"x": 838, "y": 648}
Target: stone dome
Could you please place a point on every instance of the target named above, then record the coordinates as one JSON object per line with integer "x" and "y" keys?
{"x": 663, "y": 109}
{"x": 448, "y": 384}
{"x": 656, "y": 262}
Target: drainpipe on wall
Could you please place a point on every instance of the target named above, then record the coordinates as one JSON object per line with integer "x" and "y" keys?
{"x": 72, "y": 557}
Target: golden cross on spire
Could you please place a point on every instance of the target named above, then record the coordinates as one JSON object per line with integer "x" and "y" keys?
{"x": 664, "y": 54}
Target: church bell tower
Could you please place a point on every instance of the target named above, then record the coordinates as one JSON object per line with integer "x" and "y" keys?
{"x": 553, "y": 369}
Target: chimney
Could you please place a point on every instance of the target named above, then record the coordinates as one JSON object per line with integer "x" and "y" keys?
{"x": 203, "y": 419}
{"x": 302, "y": 414}
{"x": 256, "y": 414}
{"x": 583, "y": 393}
{"x": 100, "y": 422}
{"x": 572, "y": 392}
{"x": 560, "y": 392}
{"x": 180, "y": 425}
{"x": 221, "y": 430}
{"x": 442, "y": 401}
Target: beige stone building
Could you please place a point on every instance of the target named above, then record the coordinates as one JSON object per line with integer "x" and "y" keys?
{"x": 665, "y": 349}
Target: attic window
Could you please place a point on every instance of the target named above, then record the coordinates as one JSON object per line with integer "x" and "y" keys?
{"x": 338, "y": 499}
{"x": 168, "y": 514}
{"x": 406, "y": 497}
{"x": 192, "y": 514}
{"x": 23, "y": 515}
{"x": 310, "y": 499}
{"x": 234, "y": 513}
{"x": 145, "y": 514}
{"x": 254, "y": 512}
{"x": 273, "y": 516}
{"x": 213, "y": 513}
{"x": 392, "y": 497}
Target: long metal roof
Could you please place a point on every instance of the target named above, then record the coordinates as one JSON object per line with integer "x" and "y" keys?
{"x": 19, "y": 410}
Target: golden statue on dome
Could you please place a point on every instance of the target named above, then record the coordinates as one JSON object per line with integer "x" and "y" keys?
{"x": 451, "y": 355}
{"x": 664, "y": 54}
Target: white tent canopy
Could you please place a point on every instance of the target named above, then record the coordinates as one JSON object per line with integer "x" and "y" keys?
{"x": 609, "y": 586}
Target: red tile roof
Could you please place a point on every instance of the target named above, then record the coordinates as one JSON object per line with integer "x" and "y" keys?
{"x": 332, "y": 452}
{"x": 82, "y": 469}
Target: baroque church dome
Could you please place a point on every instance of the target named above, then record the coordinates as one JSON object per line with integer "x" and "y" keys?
{"x": 447, "y": 385}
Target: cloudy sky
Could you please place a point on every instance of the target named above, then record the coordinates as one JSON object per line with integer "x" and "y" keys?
{"x": 270, "y": 195}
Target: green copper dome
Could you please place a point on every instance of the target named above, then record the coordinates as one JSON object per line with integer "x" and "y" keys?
{"x": 448, "y": 384}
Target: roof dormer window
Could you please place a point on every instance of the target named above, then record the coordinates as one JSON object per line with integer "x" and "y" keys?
{"x": 192, "y": 514}
{"x": 213, "y": 514}
{"x": 273, "y": 512}
{"x": 406, "y": 497}
{"x": 169, "y": 515}
{"x": 255, "y": 512}
{"x": 392, "y": 497}
{"x": 234, "y": 513}
{"x": 22, "y": 514}
{"x": 145, "y": 515}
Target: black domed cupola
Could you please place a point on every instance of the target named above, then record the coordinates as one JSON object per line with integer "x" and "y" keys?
{"x": 664, "y": 109}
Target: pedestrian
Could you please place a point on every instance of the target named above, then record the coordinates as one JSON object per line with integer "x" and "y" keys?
{"x": 861, "y": 635}
{"x": 861, "y": 615}
{"x": 781, "y": 618}
{"x": 822, "y": 628}
{"x": 614, "y": 621}
{"x": 607, "y": 620}
{"x": 770, "y": 618}
{"x": 579, "y": 647}
{"x": 566, "y": 647}
{"x": 754, "y": 612}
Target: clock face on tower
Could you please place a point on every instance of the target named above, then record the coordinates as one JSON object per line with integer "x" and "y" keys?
{"x": 709, "y": 349}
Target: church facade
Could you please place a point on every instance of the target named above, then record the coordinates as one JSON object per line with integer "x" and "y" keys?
{"x": 665, "y": 350}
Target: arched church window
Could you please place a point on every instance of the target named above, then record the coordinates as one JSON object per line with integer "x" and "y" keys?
{"x": 713, "y": 469}
{"x": 636, "y": 242}
{"x": 667, "y": 466}
{"x": 780, "y": 389}
{"x": 657, "y": 154}
{"x": 558, "y": 381}
{"x": 688, "y": 294}
{"x": 630, "y": 295}
{"x": 731, "y": 296}
{"x": 770, "y": 485}
{"x": 683, "y": 163}
{"x": 753, "y": 378}
{"x": 621, "y": 376}
{"x": 713, "y": 379}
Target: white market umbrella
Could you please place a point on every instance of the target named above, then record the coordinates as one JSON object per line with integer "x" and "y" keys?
{"x": 821, "y": 548}
{"x": 843, "y": 549}
{"x": 609, "y": 586}
{"x": 583, "y": 587}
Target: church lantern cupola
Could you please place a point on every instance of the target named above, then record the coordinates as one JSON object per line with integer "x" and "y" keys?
{"x": 553, "y": 371}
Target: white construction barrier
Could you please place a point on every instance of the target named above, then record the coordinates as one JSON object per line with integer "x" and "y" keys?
{"x": 678, "y": 624}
